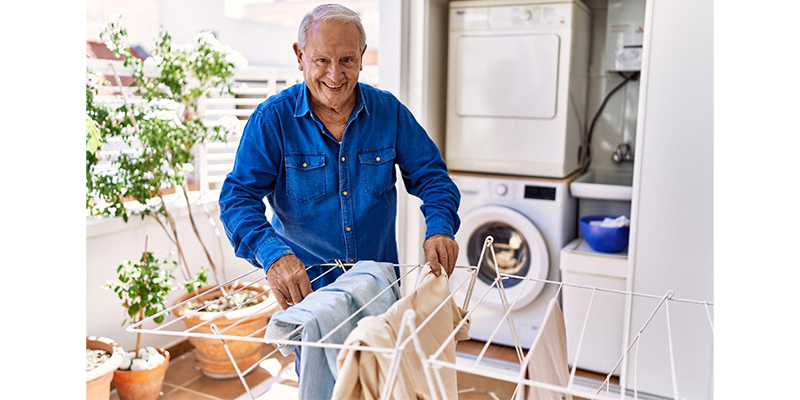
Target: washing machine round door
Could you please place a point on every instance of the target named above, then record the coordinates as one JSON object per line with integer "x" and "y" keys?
{"x": 520, "y": 250}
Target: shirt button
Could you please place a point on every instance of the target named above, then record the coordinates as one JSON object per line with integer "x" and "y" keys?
{"x": 305, "y": 165}
{"x": 344, "y": 193}
{"x": 347, "y": 228}
{"x": 343, "y": 159}
{"x": 377, "y": 158}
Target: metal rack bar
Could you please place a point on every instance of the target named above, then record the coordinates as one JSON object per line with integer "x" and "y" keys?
{"x": 708, "y": 313}
{"x": 623, "y": 375}
{"x": 408, "y": 319}
{"x": 235, "y": 365}
{"x": 580, "y": 340}
{"x": 477, "y": 269}
{"x": 599, "y": 289}
{"x": 636, "y": 372}
{"x": 503, "y": 299}
{"x": 671, "y": 354}
{"x": 440, "y": 381}
{"x": 636, "y": 339}
{"x": 463, "y": 321}
{"x": 497, "y": 328}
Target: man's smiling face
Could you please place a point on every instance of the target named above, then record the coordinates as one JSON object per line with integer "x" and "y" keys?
{"x": 331, "y": 61}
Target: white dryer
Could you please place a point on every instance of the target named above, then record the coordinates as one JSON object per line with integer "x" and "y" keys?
{"x": 517, "y": 86}
{"x": 530, "y": 220}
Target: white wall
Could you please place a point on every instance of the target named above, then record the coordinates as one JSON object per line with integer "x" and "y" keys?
{"x": 413, "y": 59}
{"x": 110, "y": 241}
{"x": 672, "y": 237}
{"x": 427, "y": 90}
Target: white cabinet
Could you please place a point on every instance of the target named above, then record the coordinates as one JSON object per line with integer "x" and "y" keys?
{"x": 672, "y": 235}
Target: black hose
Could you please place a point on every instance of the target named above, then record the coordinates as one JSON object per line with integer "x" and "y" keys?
{"x": 632, "y": 77}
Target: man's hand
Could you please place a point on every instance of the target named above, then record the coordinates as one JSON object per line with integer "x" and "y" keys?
{"x": 289, "y": 281}
{"x": 441, "y": 251}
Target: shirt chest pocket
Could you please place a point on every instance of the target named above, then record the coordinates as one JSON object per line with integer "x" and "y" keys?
{"x": 377, "y": 169}
{"x": 305, "y": 176}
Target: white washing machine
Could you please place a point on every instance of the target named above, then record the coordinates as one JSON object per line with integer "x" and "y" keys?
{"x": 517, "y": 86}
{"x": 531, "y": 220}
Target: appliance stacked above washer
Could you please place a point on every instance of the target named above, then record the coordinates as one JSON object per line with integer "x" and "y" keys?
{"x": 516, "y": 105}
{"x": 517, "y": 86}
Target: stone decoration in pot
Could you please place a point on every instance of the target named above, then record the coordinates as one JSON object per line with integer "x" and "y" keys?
{"x": 250, "y": 317}
{"x": 145, "y": 374}
{"x": 98, "y": 377}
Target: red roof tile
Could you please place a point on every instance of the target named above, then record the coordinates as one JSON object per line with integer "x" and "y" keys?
{"x": 100, "y": 51}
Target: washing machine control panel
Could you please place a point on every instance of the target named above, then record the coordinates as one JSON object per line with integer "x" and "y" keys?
{"x": 540, "y": 192}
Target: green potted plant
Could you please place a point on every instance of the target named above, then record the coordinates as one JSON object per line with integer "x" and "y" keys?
{"x": 143, "y": 288}
{"x": 158, "y": 129}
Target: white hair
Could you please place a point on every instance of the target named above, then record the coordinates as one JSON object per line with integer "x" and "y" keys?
{"x": 331, "y": 12}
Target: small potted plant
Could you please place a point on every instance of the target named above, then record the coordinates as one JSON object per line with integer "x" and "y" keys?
{"x": 103, "y": 357}
{"x": 143, "y": 288}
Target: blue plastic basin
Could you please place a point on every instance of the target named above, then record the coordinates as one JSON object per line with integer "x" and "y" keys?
{"x": 606, "y": 240}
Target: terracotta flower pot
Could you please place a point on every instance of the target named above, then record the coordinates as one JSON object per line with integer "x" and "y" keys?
{"x": 98, "y": 380}
{"x": 144, "y": 384}
{"x": 211, "y": 355}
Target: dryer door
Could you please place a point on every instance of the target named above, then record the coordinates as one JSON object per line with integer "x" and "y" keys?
{"x": 520, "y": 250}
{"x": 488, "y": 66}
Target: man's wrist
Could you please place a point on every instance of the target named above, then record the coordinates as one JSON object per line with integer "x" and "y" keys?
{"x": 270, "y": 252}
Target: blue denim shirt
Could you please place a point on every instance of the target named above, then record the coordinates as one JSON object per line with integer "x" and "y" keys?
{"x": 331, "y": 200}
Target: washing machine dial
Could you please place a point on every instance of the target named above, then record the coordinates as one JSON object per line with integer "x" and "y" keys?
{"x": 526, "y": 15}
{"x": 501, "y": 189}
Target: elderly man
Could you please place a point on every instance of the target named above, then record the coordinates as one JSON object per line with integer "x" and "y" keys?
{"x": 323, "y": 152}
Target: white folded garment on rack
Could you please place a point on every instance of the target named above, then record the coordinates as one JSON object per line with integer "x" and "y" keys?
{"x": 325, "y": 309}
{"x": 362, "y": 375}
{"x": 546, "y": 361}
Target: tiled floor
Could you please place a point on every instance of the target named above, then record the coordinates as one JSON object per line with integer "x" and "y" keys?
{"x": 185, "y": 381}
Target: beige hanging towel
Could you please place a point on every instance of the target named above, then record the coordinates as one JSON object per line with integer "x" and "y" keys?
{"x": 546, "y": 361}
{"x": 362, "y": 375}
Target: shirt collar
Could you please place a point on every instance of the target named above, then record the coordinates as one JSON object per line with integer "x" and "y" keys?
{"x": 303, "y": 104}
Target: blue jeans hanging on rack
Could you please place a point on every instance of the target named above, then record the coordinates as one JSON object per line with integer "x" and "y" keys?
{"x": 368, "y": 287}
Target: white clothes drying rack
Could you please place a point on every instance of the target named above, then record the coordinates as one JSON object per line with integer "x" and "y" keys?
{"x": 432, "y": 363}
